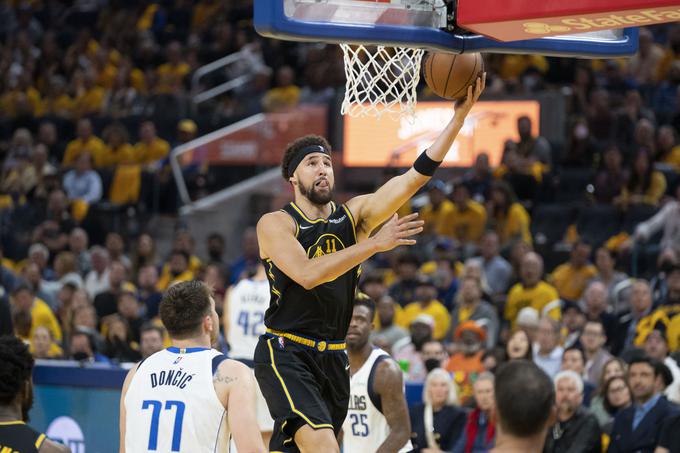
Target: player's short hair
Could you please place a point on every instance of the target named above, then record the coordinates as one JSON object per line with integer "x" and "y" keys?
{"x": 521, "y": 377}
{"x": 363, "y": 300}
{"x": 17, "y": 365}
{"x": 183, "y": 307}
{"x": 296, "y": 146}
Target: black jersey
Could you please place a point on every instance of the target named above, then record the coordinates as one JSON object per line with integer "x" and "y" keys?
{"x": 323, "y": 312}
{"x": 18, "y": 437}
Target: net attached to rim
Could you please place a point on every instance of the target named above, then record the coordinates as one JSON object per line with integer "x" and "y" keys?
{"x": 380, "y": 80}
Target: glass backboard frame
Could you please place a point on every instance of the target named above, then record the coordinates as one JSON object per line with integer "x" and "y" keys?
{"x": 276, "y": 19}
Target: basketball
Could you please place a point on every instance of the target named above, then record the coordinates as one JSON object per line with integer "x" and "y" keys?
{"x": 449, "y": 75}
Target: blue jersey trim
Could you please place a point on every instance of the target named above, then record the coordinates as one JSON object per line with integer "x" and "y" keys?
{"x": 175, "y": 350}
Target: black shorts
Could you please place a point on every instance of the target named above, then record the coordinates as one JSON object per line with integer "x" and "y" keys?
{"x": 301, "y": 386}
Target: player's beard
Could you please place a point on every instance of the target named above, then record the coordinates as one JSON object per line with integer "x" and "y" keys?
{"x": 315, "y": 196}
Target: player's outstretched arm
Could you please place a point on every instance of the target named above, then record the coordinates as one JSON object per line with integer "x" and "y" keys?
{"x": 238, "y": 382}
{"x": 389, "y": 384}
{"x": 373, "y": 209}
{"x": 121, "y": 424}
{"x": 49, "y": 446}
{"x": 276, "y": 236}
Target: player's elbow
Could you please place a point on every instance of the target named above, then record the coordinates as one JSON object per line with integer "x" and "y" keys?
{"x": 308, "y": 282}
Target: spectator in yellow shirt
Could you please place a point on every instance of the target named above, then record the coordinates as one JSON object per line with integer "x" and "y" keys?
{"x": 466, "y": 219}
{"x": 668, "y": 150}
{"x": 426, "y": 303}
{"x": 118, "y": 150}
{"x": 85, "y": 141}
{"x": 150, "y": 148}
{"x": 91, "y": 100}
{"x": 23, "y": 300}
{"x": 531, "y": 291}
{"x": 171, "y": 74}
{"x": 507, "y": 217}
{"x": 438, "y": 210}
{"x": 645, "y": 184}
{"x": 204, "y": 13}
{"x": 570, "y": 279}
{"x": 285, "y": 95}
{"x": 57, "y": 102}
{"x": 176, "y": 271}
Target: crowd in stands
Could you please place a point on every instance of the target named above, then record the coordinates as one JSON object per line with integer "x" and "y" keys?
{"x": 539, "y": 258}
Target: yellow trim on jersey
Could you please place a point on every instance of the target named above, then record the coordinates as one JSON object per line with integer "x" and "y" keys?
{"x": 320, "y": 345}
{"x": 351, "y": 219}
{"x": 12, "y": 422}
{"x": 290, "y": 400}
{"x": 39, "y": 441}
{"x": 271, "y": 275}
{"x": 320, "y": 219}
{"x": 297, "y": 226}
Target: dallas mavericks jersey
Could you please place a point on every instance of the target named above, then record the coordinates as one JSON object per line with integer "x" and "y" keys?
{"x": 248, "y": 301}
{"x": 365, "y": 427}
{"x": 324, "y": 311}
{"x": 171, "y": 404}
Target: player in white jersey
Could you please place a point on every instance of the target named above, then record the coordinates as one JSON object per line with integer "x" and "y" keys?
{"x": 243, "y": 323}
{"x": 189, "y": 397}
{"x": 377, "y": 419}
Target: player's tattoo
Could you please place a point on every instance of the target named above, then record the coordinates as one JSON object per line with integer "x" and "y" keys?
{"x": 223, "y": 379}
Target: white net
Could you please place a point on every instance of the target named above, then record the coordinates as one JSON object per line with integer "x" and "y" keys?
{"x": 380, "y": 80}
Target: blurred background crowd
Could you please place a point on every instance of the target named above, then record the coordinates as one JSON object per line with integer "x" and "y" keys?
{"x": 567, "y": 254}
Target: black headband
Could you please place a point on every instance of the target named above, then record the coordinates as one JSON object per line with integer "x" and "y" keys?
{"x": 301, "y": 154}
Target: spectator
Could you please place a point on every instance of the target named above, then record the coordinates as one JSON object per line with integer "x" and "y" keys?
{"x": 249, "y": 258}
{"x": 82, "y": 348}
{"x": 425, "y": 302}
{"x": 548, "y": 352}
{"x": 43, "y": 345}
{"x": 615, "y": 368}
{"x": 149, "y": 297}
{"x": 611, "y": 176}
{"x": 573, "y": 321}
{"x": 150, "y": 148}
{"x": 83, "y": 183}
{"x": 643, "y": 65}
{"x": 129, "y": 308}
{"x": 184, "y": 241}
{"x": 508, "y": 218}
{"x": 576, "y": 429}
{"x": 637, "y": 428}
{"x": 627, "y": 329}
{"x": 593, "y": 340}
{"x": 42, "y": 289}
{"x": 437, "y": 423}
{"x": 97, "y": 280}
{"x": 118, "y": 150}
{"x": 628, "y": 118}
{"x": 523, "y": 174}
{"x": 497, "y": 271}
{"x": 479, "y": 178}
{"x": 445, "y": 277}
{"x": 106, "y": 302}
{"x": 151, "y": 340}
{"x": 407, "y": 351}
{"x": 480, "y": 429}
{"x": 438, "y": 212}
{"x": 178, "y": 270}
{"x": 434, "y": 355}
{"x": 466, "y": 362}
{"x": 526, "y": 433}
{"x": 667, "y": 148}
{"x": 119, "y": 345}
{"x": 519, "y": 346}
{"x": 470, "y": 306}
{"x": 171, "y": 74}
{"x": 570, "y": 278}
{"x": 144, "y": 253}
{"x": 617, "y": 396}
{"x": 601, "y": 119}
{"x": 669, "y": 440}
{"x": 574, "y": 359}
{"x": 532, "y": 291}
{"x": 402, "y": 290}
{"x": 580, "y": 147}
{"x": 86, "y": 142}
{"x": 77, "y": 244}
{"x": 23, "y": 299}
{"x": 530, "y": 146}
{"x": 285, "y": 95}
{"x": 607, "y": 274}
{"x": 645, "y": 185}
{"x": 465, "y": 221}
{"x": 655, "y": 347}
{"x": 115, "y": 245}
{"x": 668, "y": 219}
{"x": 90, "y": 97}
{"x": 389, "y": 333}
{"x": 216, "y": 245}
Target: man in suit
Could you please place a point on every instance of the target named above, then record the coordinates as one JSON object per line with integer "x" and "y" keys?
{"x": 638, "y": 427}
{"x": 626, "y": 331}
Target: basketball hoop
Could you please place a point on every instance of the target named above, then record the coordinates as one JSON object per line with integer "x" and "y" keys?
{"x": 380, "y": 80}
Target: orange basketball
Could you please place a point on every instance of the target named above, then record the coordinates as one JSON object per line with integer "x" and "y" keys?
{"x": 449, "y": 75}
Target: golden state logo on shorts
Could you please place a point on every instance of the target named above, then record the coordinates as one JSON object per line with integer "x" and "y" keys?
{"x": 327, "y": 243}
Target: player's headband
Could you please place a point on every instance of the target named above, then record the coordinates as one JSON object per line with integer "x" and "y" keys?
{"x": 301, "y": 154}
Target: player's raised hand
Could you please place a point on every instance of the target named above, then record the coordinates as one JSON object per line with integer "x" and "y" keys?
{"x": 464, "y": 105}
{"x": 398, "y": 232}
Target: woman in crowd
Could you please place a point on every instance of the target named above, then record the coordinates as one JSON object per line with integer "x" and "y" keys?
{"x": 645, "y": 185}
{"x": 437, "y": 423}
{"x": 519, "y": 346}
{"x": 615, "y": 367}
{"x": 119, "y": 345}
{"x": 617, "y": 396}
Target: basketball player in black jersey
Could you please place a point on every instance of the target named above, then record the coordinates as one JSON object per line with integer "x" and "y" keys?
{"x": 16, "y": 399}
{"x": 312, "y": 250}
